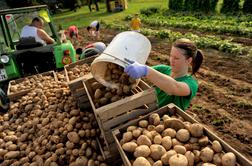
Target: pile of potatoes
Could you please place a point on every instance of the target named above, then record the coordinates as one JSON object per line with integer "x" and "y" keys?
{"x": 61, "y": 76}
{"x": 171, "y": 141}
{"x": 46, "y": 128}
{"x": 104, "y": 95}
{"x": 31, "y": 82}
{"x": 115, "y": 74}
{"x": 78, "y": 71}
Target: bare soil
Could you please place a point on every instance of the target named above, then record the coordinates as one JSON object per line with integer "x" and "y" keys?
{"x": 224, "y": 100}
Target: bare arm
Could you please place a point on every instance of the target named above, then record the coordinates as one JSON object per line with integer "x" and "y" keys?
{"x": 44, "y": 36}
{"x": 167, "y": 83}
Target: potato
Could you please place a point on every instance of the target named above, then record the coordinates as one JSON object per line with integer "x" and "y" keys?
{"x": 165, "y": 117}
{"x": 196, "y": 156}
{"x": 203, "y": 141}
{"x": 169, "y": 132}
{"x": 11, "y": 155}
{"x": 180, "y": 149}
{"x": 143, "y": 140}
{"x": 159, "y": 128}
{"x": 97, "y": 94}
{"x": 176, "y": 142}
{"x": 166, "y": 142}
{"x": 96, "y": 85}
{"x": 208, "y": 164}
{"x": 141, "y": 161}
{"x": 196, "y": 130}
{"x": 150, "y": 127}
{"x": 174, "y": 123}
{"x": 165, "y": 158}
{"x": 158, "y": 163}
{"x": 126, "y": 89}
{"x": 129, "y": 146}
{"x": 193, "y": 140}
{"x": 143, "y": 123}
{"x": 115, "y": 98}
{"x": 142, "y": 151}
{"x": 157, "y": 151}
{"x": 217, "y": 159}
{"x": 178, "y": 160}
{"x": 154, "y": 119}
{"x": 150, "y": 160}
{"x": 136, "y": 133}
{"x": 228, "y": 159}
{"x": 183, "y": 135}
{"x": 216, "y": 146}
{"x": 108, "y": 95}
{"x": 157, "y": 139}
{"x": 131, "y": 128}
{"x": 103, "y": 100}
{"x": 127, "y": 136}
{"x": 73, "y": 137}
{"x": 206, "y": 154}
{"x": 190, "y": 158}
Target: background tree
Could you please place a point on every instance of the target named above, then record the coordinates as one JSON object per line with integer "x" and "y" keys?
{"x": 230, "y": 6}
{"x": 247, "y": 6}
{"x": 176, "y": 5}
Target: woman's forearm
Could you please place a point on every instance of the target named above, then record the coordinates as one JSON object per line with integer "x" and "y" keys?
{"x": 167, "y": 83}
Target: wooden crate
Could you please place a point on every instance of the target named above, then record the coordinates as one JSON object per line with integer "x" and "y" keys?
{"x": 17, "y": 95}
{"x": 88, "y": 61}
{"x": 172, "y": 109}
{"x": 113, "y": 115}
{"x": 79, "y": 93}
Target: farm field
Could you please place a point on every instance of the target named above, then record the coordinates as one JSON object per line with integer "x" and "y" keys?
{"x": 65, "y": 117}
{"x": 224, "y": 99}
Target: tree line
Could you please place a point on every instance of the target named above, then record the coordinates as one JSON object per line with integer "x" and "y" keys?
{"x": 228, "y": 6}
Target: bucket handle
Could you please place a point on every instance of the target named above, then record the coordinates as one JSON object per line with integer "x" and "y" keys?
{"x": 124, "y": 61}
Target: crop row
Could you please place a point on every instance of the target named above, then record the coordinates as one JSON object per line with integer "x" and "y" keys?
{"x": 202, "y": 42}
{"x": 205, "y": 25}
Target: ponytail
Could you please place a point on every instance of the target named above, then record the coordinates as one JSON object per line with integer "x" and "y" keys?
{"x": 197, "y": 61}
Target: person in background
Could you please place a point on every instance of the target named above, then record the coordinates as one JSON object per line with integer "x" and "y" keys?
{"x": 94, "y": 29}
{"x": 173, "y": 83}
{"x": 90, "y": 2}
{"x": 135, "y": 23}
{"x": 62, "y": 34}
{"x": 73, "y": 34}
{"x": 91, "y": 49}
{"x": 35, "y": 29}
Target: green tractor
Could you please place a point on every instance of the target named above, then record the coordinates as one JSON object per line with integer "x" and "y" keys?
{"x": 16, "y": 59}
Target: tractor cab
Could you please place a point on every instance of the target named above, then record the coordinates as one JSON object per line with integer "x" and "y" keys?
{"x": 20, "y": 57}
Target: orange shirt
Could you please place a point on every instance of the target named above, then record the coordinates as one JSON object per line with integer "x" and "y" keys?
{"x": 135, "y": 24}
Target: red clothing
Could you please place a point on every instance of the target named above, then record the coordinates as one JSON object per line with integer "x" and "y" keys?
{"x": 73, "y": 31}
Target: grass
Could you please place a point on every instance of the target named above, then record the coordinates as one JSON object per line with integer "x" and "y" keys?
{"x": 83, "y": 17}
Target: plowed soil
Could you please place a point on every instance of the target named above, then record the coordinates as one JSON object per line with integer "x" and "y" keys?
{"x": 224, "y": 100}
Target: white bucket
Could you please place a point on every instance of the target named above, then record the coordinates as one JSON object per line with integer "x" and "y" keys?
{"x": 131, "y": 45}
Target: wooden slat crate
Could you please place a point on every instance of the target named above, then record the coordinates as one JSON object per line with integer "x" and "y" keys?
{"x": 172, "y": 109}
{"x": 76, "y": 86}
{"x": 17, "y": 95}
{"x": 67, "y": 68}
{"x": 111, "y": 116}
{"x": 79, "y": 93}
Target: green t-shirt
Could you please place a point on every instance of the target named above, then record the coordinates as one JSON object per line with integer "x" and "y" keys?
{"x": 181, "y": 101}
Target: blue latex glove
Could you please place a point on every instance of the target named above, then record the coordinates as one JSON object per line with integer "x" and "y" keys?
{"x": 136, "y": 70}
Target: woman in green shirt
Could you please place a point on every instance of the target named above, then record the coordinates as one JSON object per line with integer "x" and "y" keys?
{"x": 173, "y": 83}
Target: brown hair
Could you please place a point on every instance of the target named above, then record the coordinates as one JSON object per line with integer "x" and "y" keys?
{"x": 190, "y": 50}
